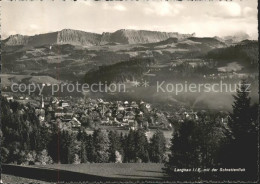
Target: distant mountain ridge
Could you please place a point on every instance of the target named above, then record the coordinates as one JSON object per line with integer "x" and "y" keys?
{"x": 127, "y": 36}
{"x": 75, "y": 37}
{"x": 66, "y": 36}
{"x": 236, "y": 38}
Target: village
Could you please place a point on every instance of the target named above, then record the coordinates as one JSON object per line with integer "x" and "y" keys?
{"x": 87, "y": 113}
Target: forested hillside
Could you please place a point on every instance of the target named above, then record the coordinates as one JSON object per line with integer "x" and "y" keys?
{"x": 246, "y": 53}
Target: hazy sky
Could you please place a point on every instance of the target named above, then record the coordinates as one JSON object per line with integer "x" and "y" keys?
{"x": 203, "y": 18}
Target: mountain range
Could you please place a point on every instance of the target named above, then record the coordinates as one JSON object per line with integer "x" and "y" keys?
{"x": 80, "y": 52}
{"x": 122, "y": 36}
{"x": 75, "y": 37}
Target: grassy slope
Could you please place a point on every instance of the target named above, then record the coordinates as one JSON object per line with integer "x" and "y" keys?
{"x": 15, "y": 179}
{"x": 124, "y": 170}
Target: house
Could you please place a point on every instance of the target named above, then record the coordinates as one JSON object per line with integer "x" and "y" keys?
{"x": 55, "y": 101}
{"x": 10, "y": 98}
{"x": 65, "y": 104}
{"x": 75, "y": 123}
{"x": 58, "y": 114}
{"x": 40, "y": 112}
{"x": 130, "y": 114}
{"x": 134, "y": 105}
{"x": 119, "y": 116}
{"x": 126, "y": 103}
{"x": 108, "y": 113}
{"x": 128, "y": 109}
{"x": 100, "y": 100}
{"x": 105, "y": 121}
{"x": 141, "y": 113}
{"x": 120, "y": 108}
{"x": 126, "y": 125}
{"x": 49, "y": 109}
{"x": 125, "y": 119}
{"x": 116, "y": 123}
{"x": 67, "y": 117}
{"x": 41, "y": 118}
{"x": 148, "y": 106}
{"x": 194, "y": 116}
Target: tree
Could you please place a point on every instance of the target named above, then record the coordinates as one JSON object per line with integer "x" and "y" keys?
{"x": 67, "y": 147}
{"x": 43, "y": 158}
{"x": 54, "y": 144}
{"x": 182, "y": 149}
{"x": 42, "y": 137}
{"x": 195, "y": 144}
{"x": 240, "y": 149}
{"x": 115, "y": 146}
{"x": 22, "y": 133}
{"x": 240, "y": 122}
{"x": 129, "y": 147}
{"x": 83, "y": 138}
{"x": 141, "y": 146}
{"x": 157, "y": 147}
{"x": 101, "y": 146}
{"x": 90, "y": 148}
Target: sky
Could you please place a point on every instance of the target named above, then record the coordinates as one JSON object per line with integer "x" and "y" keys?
{"x": 206, "y": 18}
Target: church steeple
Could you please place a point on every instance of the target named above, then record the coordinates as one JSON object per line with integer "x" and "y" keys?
{"x": 42, "y": 102}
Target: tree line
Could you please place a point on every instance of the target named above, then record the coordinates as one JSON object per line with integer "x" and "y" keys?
{"x": 245, "y": 51}
{"x": 108, "y": 146}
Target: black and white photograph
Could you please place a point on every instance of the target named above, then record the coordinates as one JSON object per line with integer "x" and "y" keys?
{"x": 146, "y": 91}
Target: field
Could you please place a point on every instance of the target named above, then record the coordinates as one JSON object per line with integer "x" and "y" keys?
{"x": 9, "y": 79}
{"x": 93, "y": 172}
{"x": 149, "y": 171}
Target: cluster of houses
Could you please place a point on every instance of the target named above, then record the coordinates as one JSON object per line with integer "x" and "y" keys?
{"x": 74, "y": 113}
{"x": 96, "y": 112}
{"x": 194, "y": 63}
{"x": 231, "y": 75}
